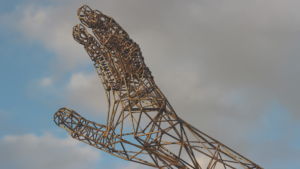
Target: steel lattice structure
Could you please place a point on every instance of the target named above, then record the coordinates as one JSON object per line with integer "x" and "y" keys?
{"x": 156, "y": 137}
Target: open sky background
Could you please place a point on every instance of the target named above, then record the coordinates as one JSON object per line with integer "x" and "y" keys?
{"x": 229, "y": 67}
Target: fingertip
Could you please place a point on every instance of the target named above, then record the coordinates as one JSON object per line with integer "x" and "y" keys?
{"x": 80, "y": 34}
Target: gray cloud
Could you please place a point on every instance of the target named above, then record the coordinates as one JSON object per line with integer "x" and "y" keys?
{"x": 221, "y": 64}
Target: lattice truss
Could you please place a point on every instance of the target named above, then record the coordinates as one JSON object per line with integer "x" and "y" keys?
{"x": 141, "y": 124}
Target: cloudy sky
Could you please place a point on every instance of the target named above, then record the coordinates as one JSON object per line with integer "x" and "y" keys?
{"x": 229, "y": 67}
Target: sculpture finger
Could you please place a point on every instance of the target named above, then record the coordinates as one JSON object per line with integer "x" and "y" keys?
{"x": 85, "y": 15}
{"x": 79, "y": 128}
{"x": 111, "y": 35}
{"x": 80, "y": 34}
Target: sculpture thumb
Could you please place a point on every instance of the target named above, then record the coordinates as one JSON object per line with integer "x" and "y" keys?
{"x": 79, "y": 128}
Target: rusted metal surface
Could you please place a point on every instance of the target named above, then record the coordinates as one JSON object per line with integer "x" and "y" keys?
{"x": 141, "y": 126}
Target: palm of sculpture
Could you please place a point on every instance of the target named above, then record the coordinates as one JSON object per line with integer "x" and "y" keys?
{"x": 160, "y": 137}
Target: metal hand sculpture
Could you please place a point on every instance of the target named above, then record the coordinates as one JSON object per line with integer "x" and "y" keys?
{"x": 141, "y": 124}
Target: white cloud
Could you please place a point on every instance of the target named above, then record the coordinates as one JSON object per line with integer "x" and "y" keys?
{"x": 46, "y": 151}
{"x": 80, "y": 80}
{"x": 86, "y": 91}
{"x": 133, "y": 165}
{"x": 46, "y": 82}
{"x": 82, "y": 92}
{"x": 204, "y": 162}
